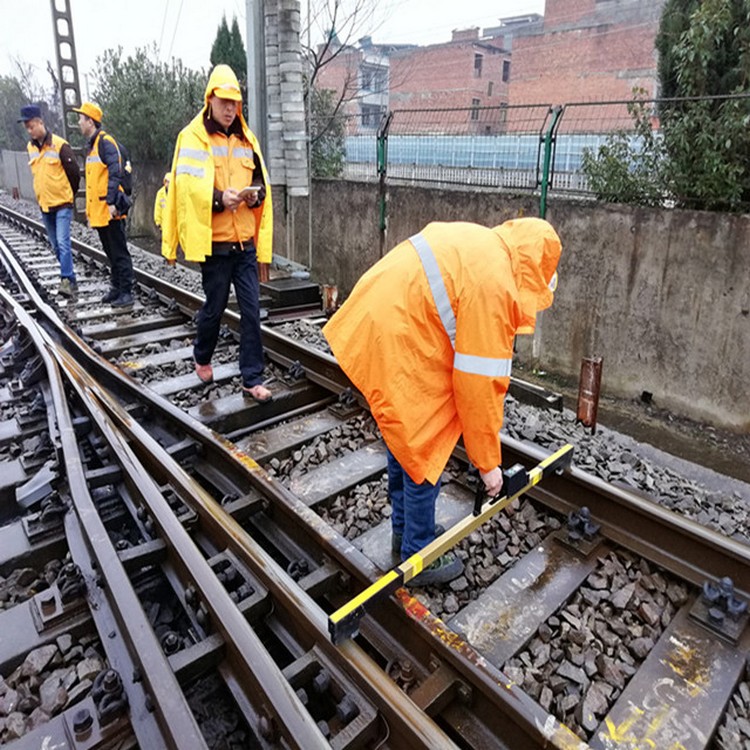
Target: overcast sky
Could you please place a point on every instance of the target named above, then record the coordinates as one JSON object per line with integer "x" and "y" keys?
{"x": 186, "y": 28}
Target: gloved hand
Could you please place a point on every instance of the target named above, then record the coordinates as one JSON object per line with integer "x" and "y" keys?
{"x": 493, "y": 481}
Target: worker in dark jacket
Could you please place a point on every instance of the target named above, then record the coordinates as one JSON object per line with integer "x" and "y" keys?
{"x": 56, "y": 179}
{"x": 106, "y": 202}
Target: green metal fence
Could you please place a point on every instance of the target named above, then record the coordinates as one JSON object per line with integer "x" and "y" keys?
{"x": 669, "y": 152}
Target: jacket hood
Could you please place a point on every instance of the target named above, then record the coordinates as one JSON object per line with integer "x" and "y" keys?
{"x": 222, "y": 76}
{"x": 534, "y": 249}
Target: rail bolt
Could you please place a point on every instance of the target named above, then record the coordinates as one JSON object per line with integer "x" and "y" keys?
{"x": 266, "y": 728}
{"x": 170, "y": 643}
{"x": 201, "y": 617}
{"x": 111, "y": 682}
{"x": 190, "y": 595}
{"x": 321, "y": 682}
{"x": 82, "y": 721}
{"x": 464, "y": 694}
{"x": 347, "y": 710}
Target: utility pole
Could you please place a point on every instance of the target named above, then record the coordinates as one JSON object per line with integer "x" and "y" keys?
{"x": 70, "y": 90}
{"x": 256, "y": 70}
{"x": 67, "y": 63}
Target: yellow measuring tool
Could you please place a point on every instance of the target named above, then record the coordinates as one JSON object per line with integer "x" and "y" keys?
{"x": 344, "y": 622}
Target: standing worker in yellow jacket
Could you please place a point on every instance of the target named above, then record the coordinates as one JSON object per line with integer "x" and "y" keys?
{"x": 56, "y": 179}
{"x": 219, "y": 211}
{"x": 106, "y": 202}
{"x": 427, "y": 337}
{"x": 160, "y": 202}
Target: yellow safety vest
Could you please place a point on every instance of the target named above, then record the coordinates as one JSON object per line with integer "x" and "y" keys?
{"x": 51, "y": 184}
{"x": 97, "y": 179}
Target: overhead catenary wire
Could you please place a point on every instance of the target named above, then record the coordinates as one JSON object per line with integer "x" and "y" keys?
{"x": 176, "y": 26}
{"x": 163, "y": 24}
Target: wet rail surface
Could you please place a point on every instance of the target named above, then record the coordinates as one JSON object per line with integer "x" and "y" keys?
{"x": 237, "y": 527}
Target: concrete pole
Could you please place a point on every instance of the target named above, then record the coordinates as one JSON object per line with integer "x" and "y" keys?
{"x": 256, "y": 71}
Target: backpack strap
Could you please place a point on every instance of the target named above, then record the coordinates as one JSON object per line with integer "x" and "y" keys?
{"x": 102, "y": 135}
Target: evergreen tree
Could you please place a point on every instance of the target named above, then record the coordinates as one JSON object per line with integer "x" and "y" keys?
{"x": 704, "y": 47}
{"x": 675, "y": 20}
{"x": 12, "y": 98}
{"x": 229, "y": 49}
{"x": 327, "y": 134}
{"x": 702, "y": 157}
{"x": 146, "y": 102}
{"x": 237, "y": 52}
{"x": 221, "y": 48}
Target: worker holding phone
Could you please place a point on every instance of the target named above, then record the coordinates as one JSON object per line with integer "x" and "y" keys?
{"x": 219, "y": 211}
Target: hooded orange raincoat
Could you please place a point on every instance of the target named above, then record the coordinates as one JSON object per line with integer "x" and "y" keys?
{"x": 427, "y": 336}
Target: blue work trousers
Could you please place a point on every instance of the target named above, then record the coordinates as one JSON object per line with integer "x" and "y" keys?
{"x": 413, "y": 508}
{"x": 219, "y": 272}
{"x": 57, "y": 224}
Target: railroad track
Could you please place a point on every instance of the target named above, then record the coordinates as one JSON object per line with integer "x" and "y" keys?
{"x": 194, "y": 543}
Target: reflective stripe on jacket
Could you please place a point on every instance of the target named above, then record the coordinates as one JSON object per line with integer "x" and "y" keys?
{"x": 51, "y": 184}
{"x": 427, "y": 337}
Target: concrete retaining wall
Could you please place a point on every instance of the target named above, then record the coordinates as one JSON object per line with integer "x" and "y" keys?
{"x": 662, "y": 295}
{"x": 16, "y": 174}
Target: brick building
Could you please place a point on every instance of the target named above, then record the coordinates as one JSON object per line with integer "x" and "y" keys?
{"x": 360, "y": 76}
{"x": 587, "y": 50}
{"x": 467, "y": 72}
{"x": 579, "y": 51}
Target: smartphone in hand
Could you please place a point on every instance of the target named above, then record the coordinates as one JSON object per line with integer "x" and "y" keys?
{"x": 249, "y": 191}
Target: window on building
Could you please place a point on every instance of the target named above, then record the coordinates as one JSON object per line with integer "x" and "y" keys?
{"x": 371, "y": 115}
{"x": 489, "y": 89}
{"x": 506, "y": 71}
{"x": 478, "y": 65}
{"x": 373, "y": 78}
{"x": 475, "y": 109}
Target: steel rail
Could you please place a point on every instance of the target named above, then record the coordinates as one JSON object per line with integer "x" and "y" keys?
{"x": 708, "y": 554}
{"x": 294, "y": 721}
{"x": 177, "y": 725}
{"x": 682, "y": 546}
{"x": 222, "y": 527}
{"x": 248, "y": 652}
{"x": 538, "y": 728}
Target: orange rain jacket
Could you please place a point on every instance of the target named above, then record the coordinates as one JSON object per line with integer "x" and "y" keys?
{"x": 427, "y": 336}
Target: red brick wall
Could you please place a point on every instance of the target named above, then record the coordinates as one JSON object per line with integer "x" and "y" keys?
{"x": 557, "y": 12}
{"x": 442, "y": 76}
{"x": 589, "y": 51}
{"x": 339, "y": 73}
